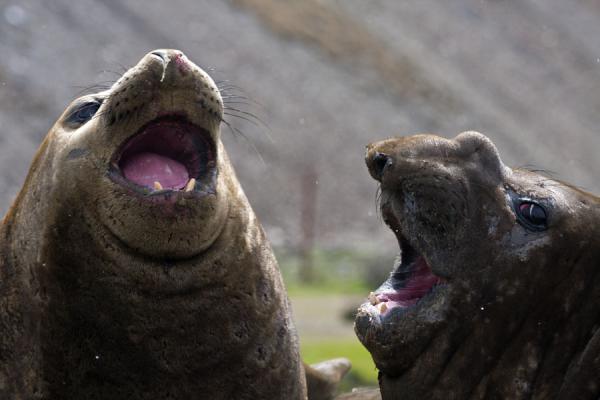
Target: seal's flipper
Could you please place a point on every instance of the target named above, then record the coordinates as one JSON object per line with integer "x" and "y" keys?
{"x": 323, "y": 378}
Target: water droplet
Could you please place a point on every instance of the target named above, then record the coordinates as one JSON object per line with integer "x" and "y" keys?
{"x": 15, "y": 15}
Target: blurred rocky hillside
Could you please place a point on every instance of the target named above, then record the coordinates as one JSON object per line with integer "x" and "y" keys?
{"x": 327, "y": 77}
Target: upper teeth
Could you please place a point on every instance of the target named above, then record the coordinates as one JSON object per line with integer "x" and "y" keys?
{"x": 157, "y": 186}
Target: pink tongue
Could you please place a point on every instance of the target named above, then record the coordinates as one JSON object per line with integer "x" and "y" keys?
{"x": 147, "y": 168}
{"x": 417, "y": 286}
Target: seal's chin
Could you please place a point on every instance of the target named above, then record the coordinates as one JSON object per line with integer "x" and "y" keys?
{"x": 168, "y": 155}
{"x": 411, "y": 280}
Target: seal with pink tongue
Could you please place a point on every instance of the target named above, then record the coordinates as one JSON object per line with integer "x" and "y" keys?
{"x": 146, "y": 168}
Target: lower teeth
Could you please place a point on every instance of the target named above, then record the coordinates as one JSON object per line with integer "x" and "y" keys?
{"x": 191, "y": 185}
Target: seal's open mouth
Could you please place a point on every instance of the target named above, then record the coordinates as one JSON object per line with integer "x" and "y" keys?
{"x": 169, "y": 154}
{"x": 410, "y": 281}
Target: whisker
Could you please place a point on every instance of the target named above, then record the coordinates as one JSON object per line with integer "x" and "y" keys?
{"x": 235, "y": 130}
{"x": 123, "y": 68}
{"x": 256, "y": 121}
{"x": 253, "y": 122}
{"x": 231, "y": 89}
{"x": 101, "y": 83}
{"x": 97, "y": 87}
{"x": 243, "y": 98}
{"x": 118, "y": 74}
{"x": 378, "y": 204}
{"x": 246, "y": 113}
{"x": 230, "y": 86}
{"x": 245, "y": 103}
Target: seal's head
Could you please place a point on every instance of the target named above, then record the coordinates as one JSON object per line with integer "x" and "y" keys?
{"x": 131, "y": 263}
{"x": 495, "y": 264}
{"x": 145, "y": 156}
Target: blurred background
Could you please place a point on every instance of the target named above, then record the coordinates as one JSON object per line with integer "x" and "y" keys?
{"x": 317, "y": 80}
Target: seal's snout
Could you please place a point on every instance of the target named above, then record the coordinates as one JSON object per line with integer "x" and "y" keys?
{"x": 174, "y": 63}
{"x": 407, "y": 156}
{"x": 164, "y": 82}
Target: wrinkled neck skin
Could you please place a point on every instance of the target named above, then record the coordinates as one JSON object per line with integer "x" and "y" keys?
{"x": 511, "y": 350}
{"x": 526, "y": 323}
{"x": 106, "y": 295}
{"x": 219, "y": 317}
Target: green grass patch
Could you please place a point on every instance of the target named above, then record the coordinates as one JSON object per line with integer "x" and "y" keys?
{"x": 325, "y": 288}
{"x": 336, "y": 272}
{"x": 340, "y": 271}
{"x": 363, "y": 371}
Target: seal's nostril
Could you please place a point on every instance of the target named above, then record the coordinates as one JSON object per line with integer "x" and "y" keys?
{"x": 160, "y": 54}
{"x": 378, "y": 164}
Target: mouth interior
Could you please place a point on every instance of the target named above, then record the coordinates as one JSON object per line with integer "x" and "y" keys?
{"x": 411, "y": 280}
{"x": 167, "y": 154}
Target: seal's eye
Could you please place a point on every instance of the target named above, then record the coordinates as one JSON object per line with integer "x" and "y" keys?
{"x": 83, "y": 113}
{"x": 532, "y": 215}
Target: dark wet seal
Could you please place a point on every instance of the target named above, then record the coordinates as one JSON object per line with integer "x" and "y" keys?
{"x": 131, "y": 264}
{"x": 496, "y": 293}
